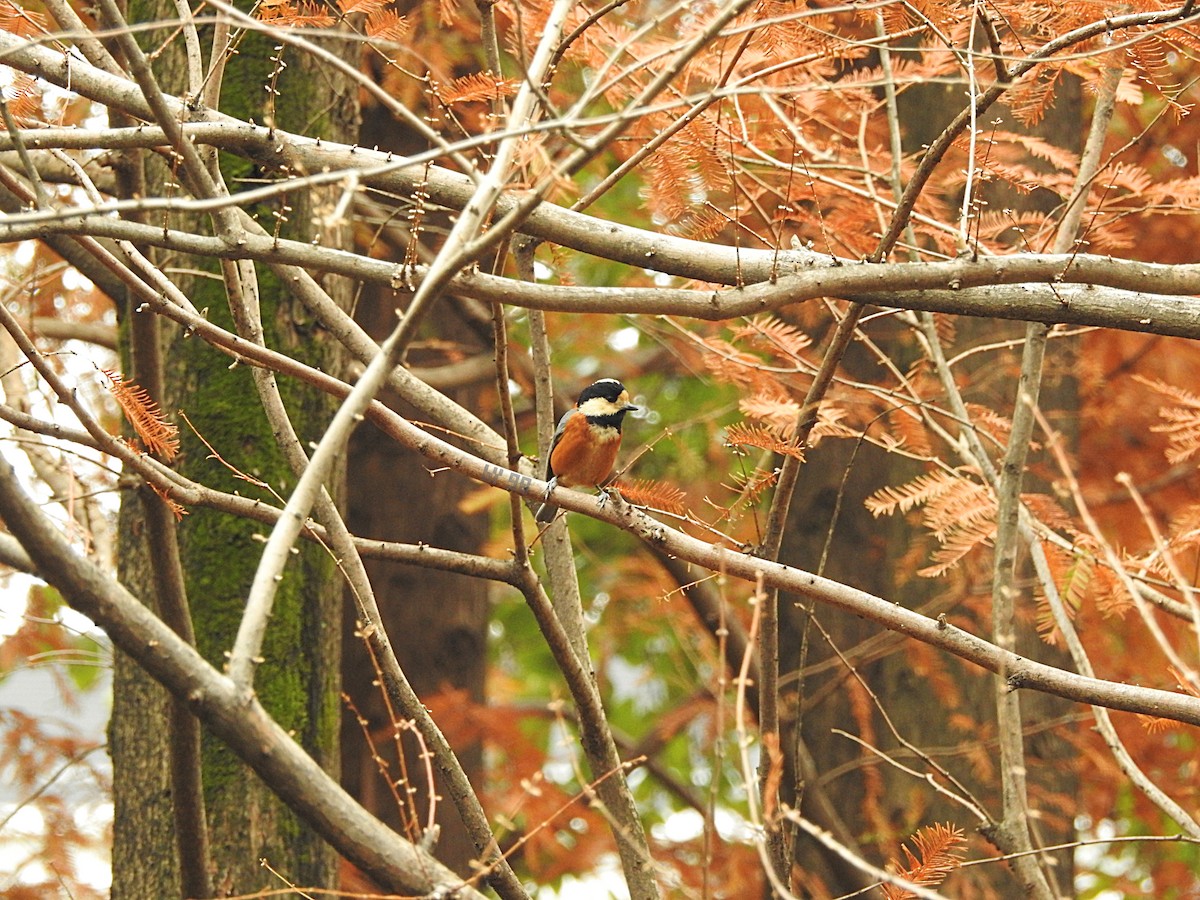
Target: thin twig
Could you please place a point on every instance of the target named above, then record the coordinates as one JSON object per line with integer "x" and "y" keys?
{"x": 1079, "y": 656}
{"x": 1179, "y": 580}
{"x": 880, "y": 875}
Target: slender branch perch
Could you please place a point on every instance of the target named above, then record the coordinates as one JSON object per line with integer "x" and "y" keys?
{"x": 1021, "y": 672}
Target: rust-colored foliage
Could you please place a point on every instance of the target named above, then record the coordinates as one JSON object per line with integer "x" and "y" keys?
{"x": 1181, "y": 422}
{"x": 177, "y": 509}
{"x": 284, "y": 13}
{"x": 160, "y": 436}
{"x": 21, "y": 22}
{"x": 550, "y": 830}
{"x": 938, "y": 853}
{"x": 655, "y": 494}
{"x": 364, "y": 7}
{"x": 24, "y": 97}
{"x": 764, "y": 438}
{"x": 387, "y": 25}
{"x": 477, "y": 86}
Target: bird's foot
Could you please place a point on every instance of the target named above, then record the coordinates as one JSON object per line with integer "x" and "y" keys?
{"x": 610, "y": 493}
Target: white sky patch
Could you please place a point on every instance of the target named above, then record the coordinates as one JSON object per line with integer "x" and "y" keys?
{"x": 605, "y": 882}
{"x": 74, "y": 280}
{"x": 23, "y": 253}
{"x": 35, "y": 691}
{"x": 624, "y": 339}
{"x": 1110, "y": 860}
{"x": 688, "y": 824}
{"x": 13, "y": 590}
{"x": 558, "y": 767}
{"x": 634, "y": 683}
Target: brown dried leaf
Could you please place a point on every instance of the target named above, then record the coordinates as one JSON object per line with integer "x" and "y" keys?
{"x": 160, "y": 436}
{"x": 763, "y": 437}
{"x": 938, "y": 854}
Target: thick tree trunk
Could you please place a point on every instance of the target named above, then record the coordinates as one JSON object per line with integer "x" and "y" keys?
{"x": 927, "y": 696}
{"x": 298, "y": 679}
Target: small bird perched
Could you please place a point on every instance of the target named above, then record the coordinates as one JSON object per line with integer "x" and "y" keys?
{"x": 585, "y": 444}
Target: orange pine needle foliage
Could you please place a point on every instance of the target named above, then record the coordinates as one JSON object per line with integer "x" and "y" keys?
{"x": 763, "y": 437}
{"x": 21, "y": 22}
{"x": 478, "y": 86}
{"x": 771, "y": 408}
{"x": 177, "y": 510}
{"x": 1072, "y": 573}
{"x": 160, "y": 436}
{"x": 1182, "y": 421}
{"x": 922, "y": 489}
{"x": 387, "y": 25}
{"x": 367, "y": 7}
{"x": 287, "y": 15}
{"x": 783, "y": 339}
{"x": 1184, "y": 684}
{"x": 753, "y": 485}
{"x": 25, "y": 100}
{"x": 960, "y": 512}
{"x": 703, "y": 225}
{"x": 938, "y": 854}
{"x": 1155, "y": 725}
{"x": 732, "y": 365}
{"x": 656, "y": 494}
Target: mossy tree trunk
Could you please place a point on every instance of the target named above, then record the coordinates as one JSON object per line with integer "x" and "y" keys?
{"x": 298, "y": 678}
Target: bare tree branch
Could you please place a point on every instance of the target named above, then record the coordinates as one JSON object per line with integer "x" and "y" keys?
{"x": 222, "y": 706}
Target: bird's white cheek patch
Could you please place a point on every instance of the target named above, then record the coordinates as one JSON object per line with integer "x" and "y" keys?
{"x": 598, "y": 406}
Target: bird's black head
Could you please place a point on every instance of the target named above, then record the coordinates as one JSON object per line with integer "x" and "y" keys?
{"x": 605, "y": 400}
{"x": 606, "y": 388}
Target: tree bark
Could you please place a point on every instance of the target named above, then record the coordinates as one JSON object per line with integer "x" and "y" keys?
{"x": 437, "y": 621}
{"x": 298, "y": 680}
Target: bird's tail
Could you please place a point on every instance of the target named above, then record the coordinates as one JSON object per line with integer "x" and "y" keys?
{"x": 546, "y": 511}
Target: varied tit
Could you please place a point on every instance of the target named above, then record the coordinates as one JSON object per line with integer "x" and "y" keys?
{"x": 585, "y": 444}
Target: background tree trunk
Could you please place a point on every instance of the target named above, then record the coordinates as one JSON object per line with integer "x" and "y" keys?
{"x": 880, "y": 558}
{"x": 437, "y": 621}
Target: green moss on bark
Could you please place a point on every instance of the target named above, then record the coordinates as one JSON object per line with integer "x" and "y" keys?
{"x": 297, "y": 681}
